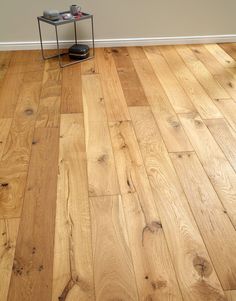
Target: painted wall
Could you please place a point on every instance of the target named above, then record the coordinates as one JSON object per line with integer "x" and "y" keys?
{"x": 124, "y": 18}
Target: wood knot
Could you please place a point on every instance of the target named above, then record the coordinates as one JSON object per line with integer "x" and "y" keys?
{"x": 114, "y": 50}
{"x": 158, "y": 284}
{"x": 153, "y": 227}
{"x": 202, "y": 266}
{"x": 196, "y": 51}
{"x": 103, "y": 158}
{"x": 197, "y": 122}
{"x": 174, "y": 123}
{"x": 4, "y": 184}
{"x": 230, "y": 85}
{"x": 40, "y": 268}
{"x": 29, "y": 112}
{"x": 34, "y": 142}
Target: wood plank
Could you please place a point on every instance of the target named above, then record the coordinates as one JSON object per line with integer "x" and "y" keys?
{"x": 73, "y": 268}
{"x": 113, "y": 269}
{"x": 116, "y": 105}
{"x": 129, "y": 79}
{"x": 102, "y": 177}
{"x": 231, "y": 295}
{"x": 50, "y": 99}
{"x": 194, "y": 90}
{"x": 224, "y": 77}
{"x": 5, "y": 125}
{"x": 93, "y": 100}
{"x": 215, "y": 227}
{"x": 214, "y": 162}
{"x": 176, "y": 94}
{"x": 71, "y": 98}
{"x": 5, "y": 58}
{"x": 16, "y": 154}
{"x": 166, "y": 118}
{"x": 206, "y": 79}
{"x": 153, "y": 268}
{"x": 228, "y": 109}
{"x": 33, "y": 263}
{"x": 136, "y": 53}
{"x": 149, "y": 250}
{"x": 229, "y": 48}
{"x": 222, "y": 57}
{"x": 89, "y": 67}
{"x": 184, "y": 241}
{"x": 225, "y": 137}
{"x": 8, "y": 235}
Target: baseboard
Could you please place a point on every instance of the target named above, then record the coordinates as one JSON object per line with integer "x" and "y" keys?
{"x": 124, "y": 42}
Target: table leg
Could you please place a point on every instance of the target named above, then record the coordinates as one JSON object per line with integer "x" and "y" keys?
{"x": 75, "y": 29}
{"x": 93, "y": 36}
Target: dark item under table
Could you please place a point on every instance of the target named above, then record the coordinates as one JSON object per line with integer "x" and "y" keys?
{"x": 59, "y": 22}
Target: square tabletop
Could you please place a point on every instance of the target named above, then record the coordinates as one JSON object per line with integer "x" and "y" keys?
{"x": 61, "y": 21}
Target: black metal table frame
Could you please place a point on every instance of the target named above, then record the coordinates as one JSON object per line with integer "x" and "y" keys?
{"x": 85, "y": 16}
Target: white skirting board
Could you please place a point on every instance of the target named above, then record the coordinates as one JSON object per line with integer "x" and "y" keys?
{"x": 123, "y": 42}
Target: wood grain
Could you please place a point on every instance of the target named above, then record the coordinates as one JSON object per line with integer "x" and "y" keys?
{"x": 8, "y": 235}
{"x": 132, "y": 88}
{"x": 216, "y": 229}
{"x": 176, "y": 94}
{"x": 184, "y": 241}
{"x": 5, "y": 125}
{"x": 226, "y": 60}
{"x": 33, "y": 262}
{"x": 73, "y": 267}
{"x": 228, "y": 109}
{"x": 50, "y": 99}
{"x": 113, "y": 268}
{"x": 229, "y": 48}
{"x": 166, "y": 118}
{"x": 116, "y": 105}
{"x": 16, "y": 154}
{"x": 225, "y": 137}
{"x": 5, "y": 58}
{"x": 206, "y": 79}
{"x": 214, "y": 162}
{"x": 231, "y": 295}
{"x": 153, "y": 268}
{"x": 71, "y": 98}
{"x": 194, "y": 90}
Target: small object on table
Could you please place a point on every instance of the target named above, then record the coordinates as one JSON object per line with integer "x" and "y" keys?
{"x": 75, "y": 9}
{"x": 67, "y": 16}
{"x": 51, "y": 14}
{"x": 79, "y": 52}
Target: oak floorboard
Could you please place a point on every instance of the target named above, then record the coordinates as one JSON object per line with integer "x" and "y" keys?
{"x": 33, "y": 262}
{"x": 16, "y": 153}
{"x": 113, "y": 268}
{"x": 231, "y": 295}
{"x": 5, "y": 125}
{"x": 222, "y": 57}
{"x": 176, "y": 94}
{"x": 202, "y": 102}
{"x": 73, "y": 266}
{"x": 219, "y": 170}
{"x": 116, "y": 106}
{"x": 206, "y": 79}
{"x": 215, "y": 226}
{"x": 165, "y": 116}
{"x": 8, "y": 235}
{"x": 228, "y": 109}
{"x": 225, "y": 137}
{"x": 225, "y": 78}
{"x": 50, "y": 98}
{"x": 185, "y": 243}
{"x": 5, "y": 58}
{"x": 230, "y": 48}
{"x": 132, "y": 88}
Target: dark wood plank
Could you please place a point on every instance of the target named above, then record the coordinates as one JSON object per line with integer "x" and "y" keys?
{"x": 33, "y": 263}
{"x": 131, "y": 85}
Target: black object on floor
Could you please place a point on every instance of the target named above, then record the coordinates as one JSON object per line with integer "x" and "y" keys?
{"x": 79, "y": 51}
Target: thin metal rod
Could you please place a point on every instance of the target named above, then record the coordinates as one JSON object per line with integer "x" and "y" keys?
{"x": 41, "y": 42}
{"x": 58, "y": 48}
{"x": 93, "y": 35}
{"x": 75, "y": 29}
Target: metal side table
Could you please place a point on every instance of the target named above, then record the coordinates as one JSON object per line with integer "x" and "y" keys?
{"x": 84, "y": 16}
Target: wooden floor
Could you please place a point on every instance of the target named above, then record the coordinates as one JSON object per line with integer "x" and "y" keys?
{"x": 118, "y": 176}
